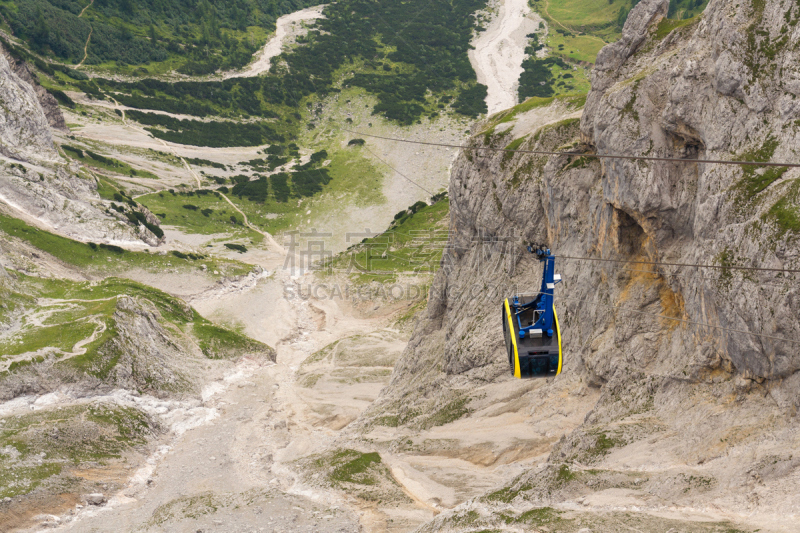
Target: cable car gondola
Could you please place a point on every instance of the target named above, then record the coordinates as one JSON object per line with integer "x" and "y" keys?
{"x": 530, "y": 327}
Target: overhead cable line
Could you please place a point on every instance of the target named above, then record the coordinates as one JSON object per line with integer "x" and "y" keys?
{"x": 688, "y": 265}
{"x": 666, "y": 317}
{"x": 599, "y": 156}
{"x": 691, "y": 276}
{"x": 652, "y": 263}
{"x": 639, "y": 271}
{"x": 403, "y": 175}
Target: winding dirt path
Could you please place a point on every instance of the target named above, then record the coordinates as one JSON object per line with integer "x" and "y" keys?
{"x": 86, "y": 48}
{"x": 91, "y": 30}
{"x": 85, "y": 8}
{"x": 125, "y": 121}
{"x": 270, "y": 239}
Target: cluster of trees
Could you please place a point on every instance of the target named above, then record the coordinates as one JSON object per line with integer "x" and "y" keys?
{"x": 213, "y": 134}
{"x": 304, "y": 180}
{"x": 434, "y": 45}
{"x": 20, "y": 54}
{"x": 233, "y": 97}
{"x": 432, "y": 50}
{"x": 54, "y": 27}
{"x": 537, "y": 77}
{"x": 141, "y": 31}
{"x": 62, "y": 98}
{"x": 686, "y": 9}
{"x": 205, "y": 163}
{"x": 472, "y": 101}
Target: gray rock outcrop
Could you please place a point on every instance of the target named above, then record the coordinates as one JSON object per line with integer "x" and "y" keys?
{"x": 96, "y": 498}
{"x": 690, "y": 353}
{"x": 48, "y": 102}
{"x": 24, "y": 130}
{"x": 38, "y": 186}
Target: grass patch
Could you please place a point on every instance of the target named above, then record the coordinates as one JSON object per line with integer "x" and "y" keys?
{"x": 513, "y": 145}
{"x": 354, "y": 467}
{"x": 785, "y": 213}
{"x": 594, "y": 16}
{"x": 507, "y": 494}
{"x": 60, "y": 337}
{"x": 413, "y": 244}
{"x": 209, "y": 212}
{"x": 753, "y": 182}
{"x": 572, "y": 101}
{"x": 65, "y": 437}
{"x": 516, "y": 143}
{"x": 451, "y": 412}
{"x": 572, "y": 47}
{"x": 95, "y": 160}
{"x": 667, "y": 26}
{"x": 564, "y": 475}
{"x": 221, "y": 343}
{"x": 603, "y": 444}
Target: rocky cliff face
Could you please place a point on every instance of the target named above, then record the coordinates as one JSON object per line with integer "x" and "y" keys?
{"x": 24, "y": 130}
{"x": 46, "y": 100}
{"x": 37, "y": 185}
{"x": 675, "y": 397}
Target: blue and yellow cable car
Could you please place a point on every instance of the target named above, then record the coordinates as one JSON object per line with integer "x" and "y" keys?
{"x": 530, "y": 327}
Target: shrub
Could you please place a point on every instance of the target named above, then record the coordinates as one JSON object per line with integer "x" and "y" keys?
{"x": 417, "y": 206}
{"x": 112, "y": 248}
{"x": 62, "y": 98}
{"x": 238, "y": 247}
{"x": 75, "y": 152}
{"x": 157, "y": 231}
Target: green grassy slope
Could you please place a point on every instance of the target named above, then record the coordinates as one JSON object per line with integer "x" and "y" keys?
{"x": 194, "y": 36}
{"x": 357, "y": 41}
{"x": 100, "y": 260}
{"x": 412, "y": 245}
{"x": 43, "y": 448}
{"x": 578, "y": 29}
{"x": 52, "y": 316}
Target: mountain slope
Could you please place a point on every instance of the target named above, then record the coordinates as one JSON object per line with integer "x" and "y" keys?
{"x": 41, "y": 187}
{"x": 688, "y": 411}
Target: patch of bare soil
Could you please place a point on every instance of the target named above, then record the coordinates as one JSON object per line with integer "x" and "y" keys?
{"x": 42, "y": 509}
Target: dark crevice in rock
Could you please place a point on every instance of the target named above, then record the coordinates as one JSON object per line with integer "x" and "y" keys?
{"x": 630, "y": 235}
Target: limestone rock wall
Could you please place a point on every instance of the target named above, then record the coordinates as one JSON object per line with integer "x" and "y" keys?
{"x": 24, "y": 129}
{"x": 723, "y": 86}
{"x": 36, "y": 184}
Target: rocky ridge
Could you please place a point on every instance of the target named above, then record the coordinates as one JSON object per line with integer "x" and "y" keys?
{"x": 699, "y": 415}
{"x": 25, "y": 134}
{"x": 35, "y": 182}
{"x": 48, "y": 102}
